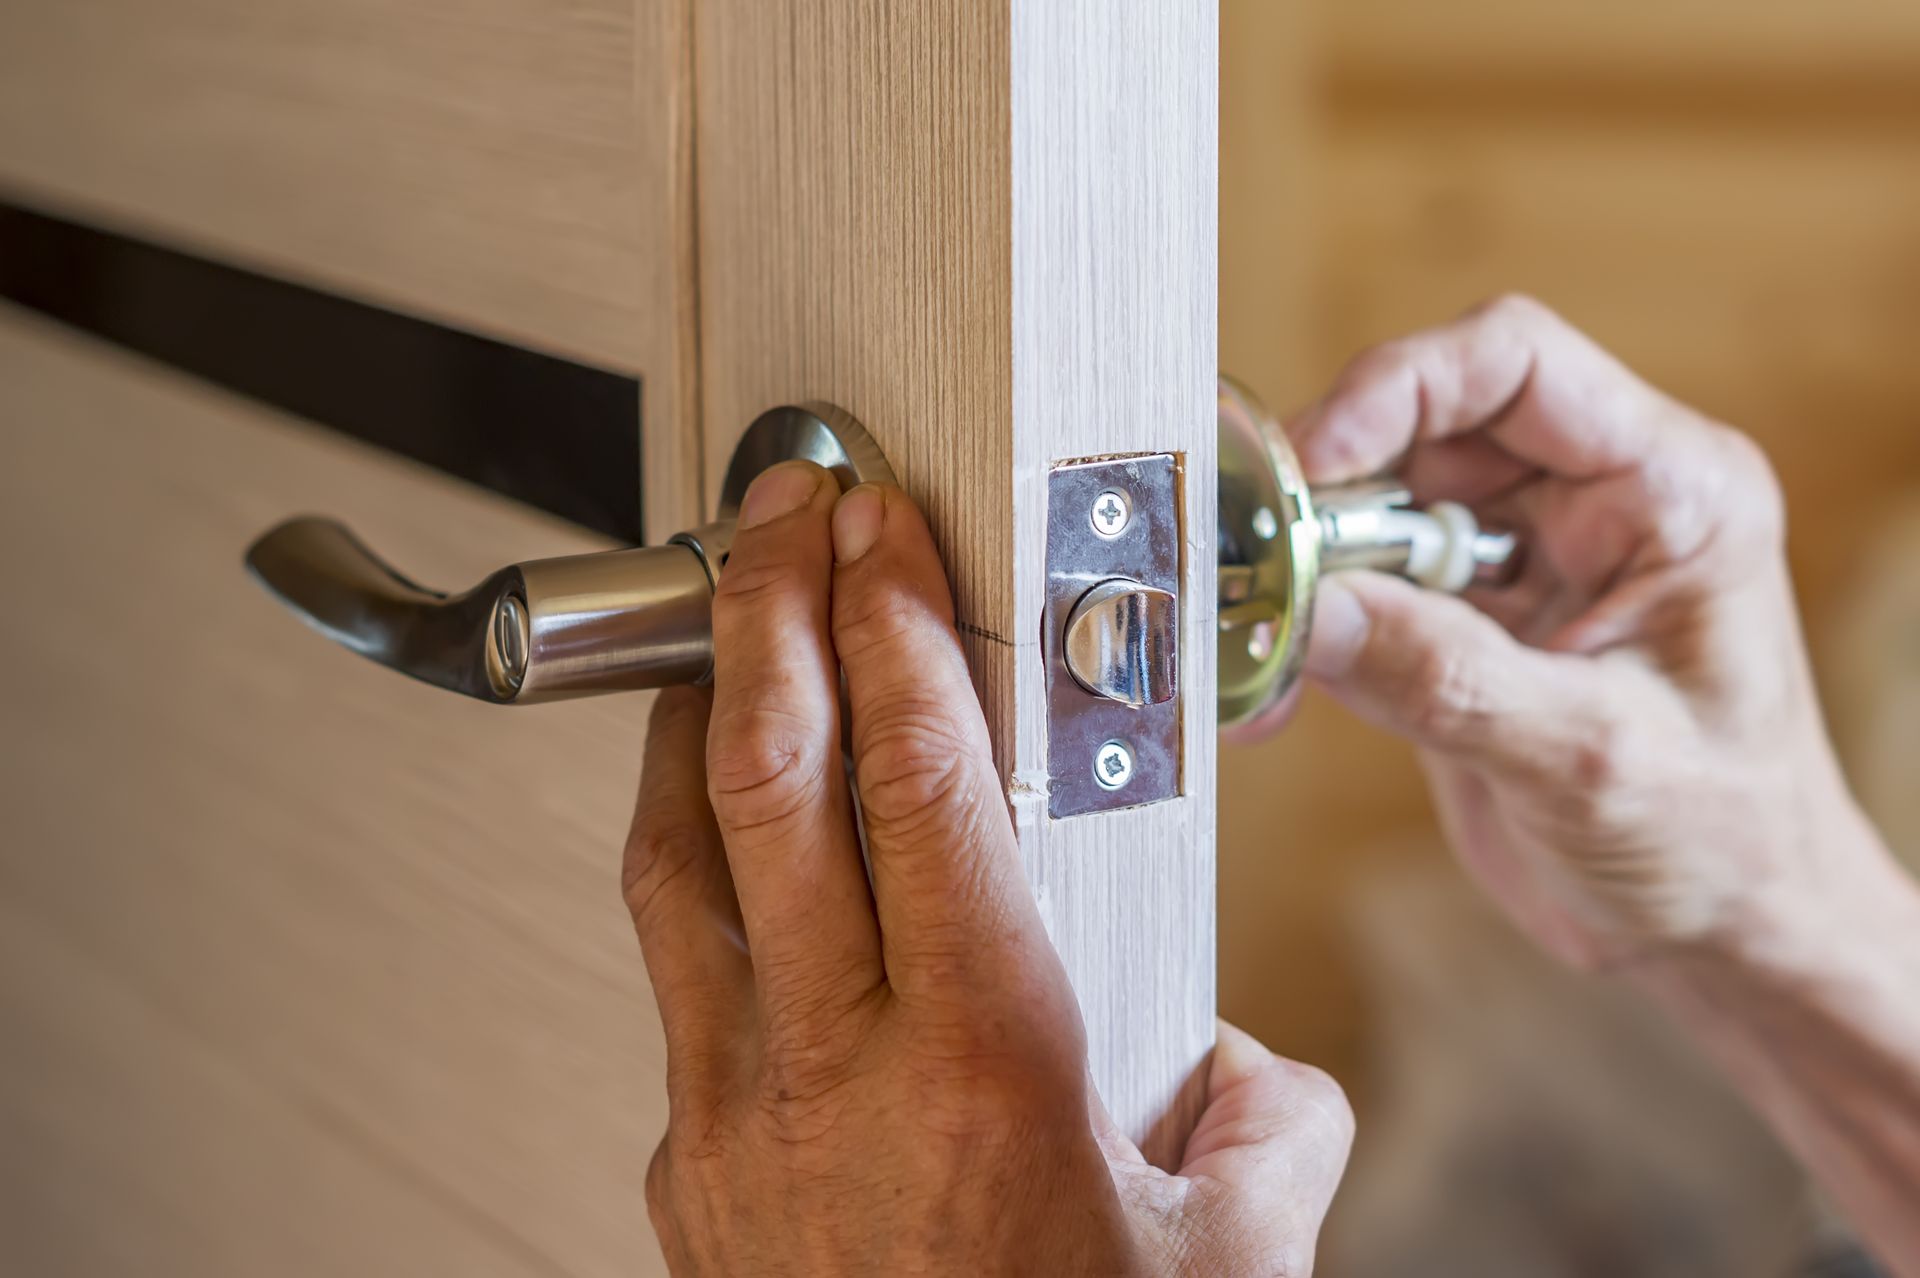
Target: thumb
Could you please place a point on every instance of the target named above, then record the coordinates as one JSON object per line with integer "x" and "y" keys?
{"x": 1434, "y": 669}
{"x": 1273, "y": 1142}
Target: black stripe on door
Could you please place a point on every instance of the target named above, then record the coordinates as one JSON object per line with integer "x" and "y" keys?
{"x": 559, "y": 435}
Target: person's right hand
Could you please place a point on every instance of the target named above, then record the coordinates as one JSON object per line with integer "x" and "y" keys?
{"x": 1624, "y": 745}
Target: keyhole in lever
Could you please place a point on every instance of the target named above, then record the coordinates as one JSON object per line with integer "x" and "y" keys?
{"x": 510, "y": 639}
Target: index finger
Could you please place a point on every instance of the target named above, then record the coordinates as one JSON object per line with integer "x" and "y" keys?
{"x": 774, "y": 772}
{"x": 947, "y": 880}
{"x": 1541, "y": 390}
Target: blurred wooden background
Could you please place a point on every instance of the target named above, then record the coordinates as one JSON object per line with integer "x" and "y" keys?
{"x": 1726, "y": 192}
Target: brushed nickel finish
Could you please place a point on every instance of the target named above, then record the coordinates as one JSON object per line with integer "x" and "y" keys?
{"x": 551, "y": 629}
{"x": 538, "y": 631}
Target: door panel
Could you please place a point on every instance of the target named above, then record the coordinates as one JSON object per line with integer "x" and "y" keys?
{"x": 304, "y": 968}
{"x": 517, "y": 168}
{"x": 989, "y": 232}
{"x": 481, "y": 162}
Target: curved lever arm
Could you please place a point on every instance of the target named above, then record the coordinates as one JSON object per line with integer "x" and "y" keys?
{"x": 536, "y": 631}
{"x": 552, "y": 628}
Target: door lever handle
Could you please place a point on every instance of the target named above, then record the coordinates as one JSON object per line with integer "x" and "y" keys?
{"x": 536, "y": 631}
{"x": 549, "y": 629}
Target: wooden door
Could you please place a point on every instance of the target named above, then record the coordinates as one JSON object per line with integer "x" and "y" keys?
{"x": 309, "y": 969}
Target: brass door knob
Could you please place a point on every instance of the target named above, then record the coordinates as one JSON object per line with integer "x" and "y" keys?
{"x": 1278, "y": 536}
{"x": 551, "y": 628}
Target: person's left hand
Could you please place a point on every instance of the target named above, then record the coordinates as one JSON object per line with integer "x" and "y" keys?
{"x": 888, "y": 1075}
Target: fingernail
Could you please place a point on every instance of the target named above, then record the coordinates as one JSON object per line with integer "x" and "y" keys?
{"x": 779, "y": 491}
{"x": 1339, "y": 630}
{"x": 857, "y": 521}
{"x": 1237, "y": 1054}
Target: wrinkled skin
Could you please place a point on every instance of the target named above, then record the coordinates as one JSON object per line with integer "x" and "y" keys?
{"x": 1625, "y": 749}
{"x": 1624, "y": 745}
{"x": 890, "y": 1078}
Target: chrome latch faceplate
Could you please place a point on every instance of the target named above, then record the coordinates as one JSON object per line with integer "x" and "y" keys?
{"x": 1110, "y": 634}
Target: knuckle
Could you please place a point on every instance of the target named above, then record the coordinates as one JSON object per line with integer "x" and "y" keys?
{"x": 882, "y": 618}
{"x": 1322, "y": 1096}
{"x": 1602, "y": 761}
{"x": 659, "y": 1182}
{"x": 1516, "y": 310}
{"x": 698, "y": 1142}
{"x": 698, "y": 1074}
{"x": 765, "y": 765}
{"x": 805, "y": 1090}
{"x": 993, "y": 1096}
{"x": 1029, "y": 1029}
{"x": 1604, "y": 789}
{"x": 1601, "y": 813}
{"x": 689, "y": 1176}
{"x": 978, "y": 1103}
{"x": 657, "y": 857}
{"x": 1711, "y": 492}
{"x": 1760, "y": 495}
{"x": 1747, "y": 456}
{"x": 1443, "y": 694}
{"x": 916, "y": 769}
{"x": 967, "y": 978}
{"x": 812, "y": 1002}
{"x": 945, "y": 967}
{"x": 1381, "y": 360}
{"x": 754, "y": 587}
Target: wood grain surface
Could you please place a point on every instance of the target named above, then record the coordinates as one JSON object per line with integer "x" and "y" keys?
{"x": 504, "y": 165}
{"x": 1115, "y": 296}
{"x": 304, "y": 968}
{"x": 306, "y": 962}
{"x": 518, "y": 168}
{"x": 989, "y": 232}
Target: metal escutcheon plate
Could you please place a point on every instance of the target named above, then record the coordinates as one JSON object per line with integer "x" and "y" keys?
{"x": 819, "y": 433}
{"x": 1270, "y": 542}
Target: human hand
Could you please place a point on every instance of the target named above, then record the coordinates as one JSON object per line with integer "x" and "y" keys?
{"x": 886, "y": 1073}
{"x": 1624, "y": 745}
